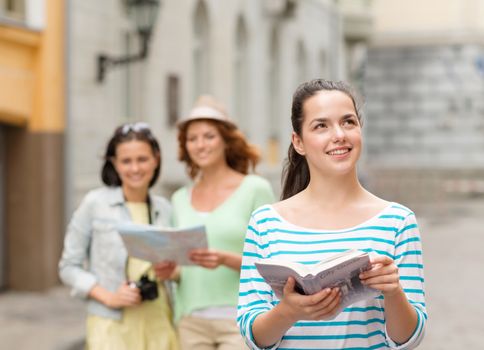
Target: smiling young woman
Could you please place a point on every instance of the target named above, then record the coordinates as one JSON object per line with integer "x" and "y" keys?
{"x": 135, "y": 164}
{"x": 118, "y": 317}
{"x": 325, "y": 210}
{"x": 205, "y": 145}
{"x": 330, "y": 136}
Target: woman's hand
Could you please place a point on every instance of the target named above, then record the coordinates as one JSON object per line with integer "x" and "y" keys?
{"x": 126, "y": 295}
{"x": 382, "y": 276}
{"x": 211, "y": 259}
{"x": 269, "y": 327}
{"x": 207, "y": 258}
{"x": 319, "y": 306}
{"x": 400, "y": 316}
{"x": 166, "y": 270}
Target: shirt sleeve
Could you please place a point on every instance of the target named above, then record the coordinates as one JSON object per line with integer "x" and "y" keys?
{"x": 76, "y": 250}
{"x": 409, "y": 260}
{"x": 255, "y": 296}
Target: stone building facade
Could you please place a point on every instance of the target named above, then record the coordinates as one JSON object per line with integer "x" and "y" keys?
{"x": 250, "y": 54}
{"x": 424, "y": 83}
{"x": 56, "y": 116}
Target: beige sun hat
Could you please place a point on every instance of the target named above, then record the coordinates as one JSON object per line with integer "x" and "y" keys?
{"x": 207, "y": 107}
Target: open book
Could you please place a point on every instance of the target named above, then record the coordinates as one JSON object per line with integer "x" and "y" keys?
{"x": 341, "y": 270}
{"x": 155, "y": 244}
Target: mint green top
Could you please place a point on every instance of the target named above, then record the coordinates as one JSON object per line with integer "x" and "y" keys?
{"x": 226, "y": 226}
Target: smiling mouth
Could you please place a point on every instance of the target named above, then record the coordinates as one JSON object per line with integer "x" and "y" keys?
{"x": 338, "y": 152}
{"x": 136, "y": 178}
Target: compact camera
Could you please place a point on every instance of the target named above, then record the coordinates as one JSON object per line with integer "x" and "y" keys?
{"x": 148, "y": 288}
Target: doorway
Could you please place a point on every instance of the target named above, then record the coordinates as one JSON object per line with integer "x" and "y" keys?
{"x": 3, "y": 170}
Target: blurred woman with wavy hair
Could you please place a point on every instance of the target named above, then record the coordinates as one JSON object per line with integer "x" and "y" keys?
{"x": 222, "y": 196}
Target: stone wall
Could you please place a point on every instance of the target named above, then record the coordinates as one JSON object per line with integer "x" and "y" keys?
{"x": 425, "y": 189}
{"x": 424, "y": 124}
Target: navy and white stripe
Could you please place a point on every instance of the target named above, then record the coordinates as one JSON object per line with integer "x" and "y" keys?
{"x": 394, "y": 233}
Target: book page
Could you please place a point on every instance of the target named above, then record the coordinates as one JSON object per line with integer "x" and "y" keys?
{"x": 335, "y": 260}
{"x": 298, "y": 268}
{"x": 345, "y": 276}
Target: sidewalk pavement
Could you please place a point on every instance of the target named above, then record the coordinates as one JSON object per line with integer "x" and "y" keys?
{"x": 453, "y": 237}
{"x": 41, "y": 321}
{"x": 453, "y": 256}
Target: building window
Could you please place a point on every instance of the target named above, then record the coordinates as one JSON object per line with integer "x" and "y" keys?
{"x": 172, "y": 99}
{"x": 3, "y": 234}
{"x": 13, "y": 9}
{"x": 273, "y": 94}
{"x": 201, "y": 51}
{"x": 323, "y": 65}
{"x": 241, "y": 76}
{"x": 301, "y": 63}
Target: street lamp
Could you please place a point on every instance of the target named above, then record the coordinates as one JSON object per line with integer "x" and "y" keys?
{"x": 144, "y": 13}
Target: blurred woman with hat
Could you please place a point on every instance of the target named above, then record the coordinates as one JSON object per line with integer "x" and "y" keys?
{"x": 222, "y": 197}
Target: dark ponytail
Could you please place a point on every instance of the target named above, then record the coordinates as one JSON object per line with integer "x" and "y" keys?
{"x": 296, "y": 175}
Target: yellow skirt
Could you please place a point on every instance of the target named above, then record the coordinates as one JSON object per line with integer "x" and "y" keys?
{"x": 144, "y": 327}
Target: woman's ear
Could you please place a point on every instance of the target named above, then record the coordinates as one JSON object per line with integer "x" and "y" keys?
{"x": 297, "y": 143}
{"x": 158, "y": 157}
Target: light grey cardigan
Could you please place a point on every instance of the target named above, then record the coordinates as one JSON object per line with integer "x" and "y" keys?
{"x": 93, "y": 250}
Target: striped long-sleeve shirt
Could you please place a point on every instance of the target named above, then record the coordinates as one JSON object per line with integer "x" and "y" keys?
{"x": 393, "y": 232}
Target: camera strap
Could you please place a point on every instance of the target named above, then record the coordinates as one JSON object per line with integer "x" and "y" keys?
{"x": 150, "y": 221}
{"x": 144, "y": 273}
{"x": 148, "y": 203}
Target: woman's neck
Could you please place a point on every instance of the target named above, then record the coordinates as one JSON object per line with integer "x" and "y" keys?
{"x": 334, "y": 191}
{"x": 215, "y": 175}
{"x": 135, "y": 195}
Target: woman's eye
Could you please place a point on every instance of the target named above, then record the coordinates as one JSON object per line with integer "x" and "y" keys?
{"x": 349, "y": 122}
{"x": 320, "y": 126}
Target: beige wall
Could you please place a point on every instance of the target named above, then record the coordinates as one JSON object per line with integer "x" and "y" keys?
{"x": 18, "y": 49}
{"x": 419, "y": 19}
{"x": 48, "y": 115}
{"x": 31, "y": 73}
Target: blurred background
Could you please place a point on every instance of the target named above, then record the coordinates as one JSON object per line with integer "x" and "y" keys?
{"x": 71, "y": 71}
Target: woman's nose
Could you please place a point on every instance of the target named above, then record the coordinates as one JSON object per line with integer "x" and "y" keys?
{"x": 200, "y": 143}
{"x": 338, "y": 133}
{"x": 134, "y": 166}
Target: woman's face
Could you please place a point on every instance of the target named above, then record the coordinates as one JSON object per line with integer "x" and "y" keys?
{"x": 204, "y": 144}
{"x": 135, "y": 164}
{"x": 330, "y": 134}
